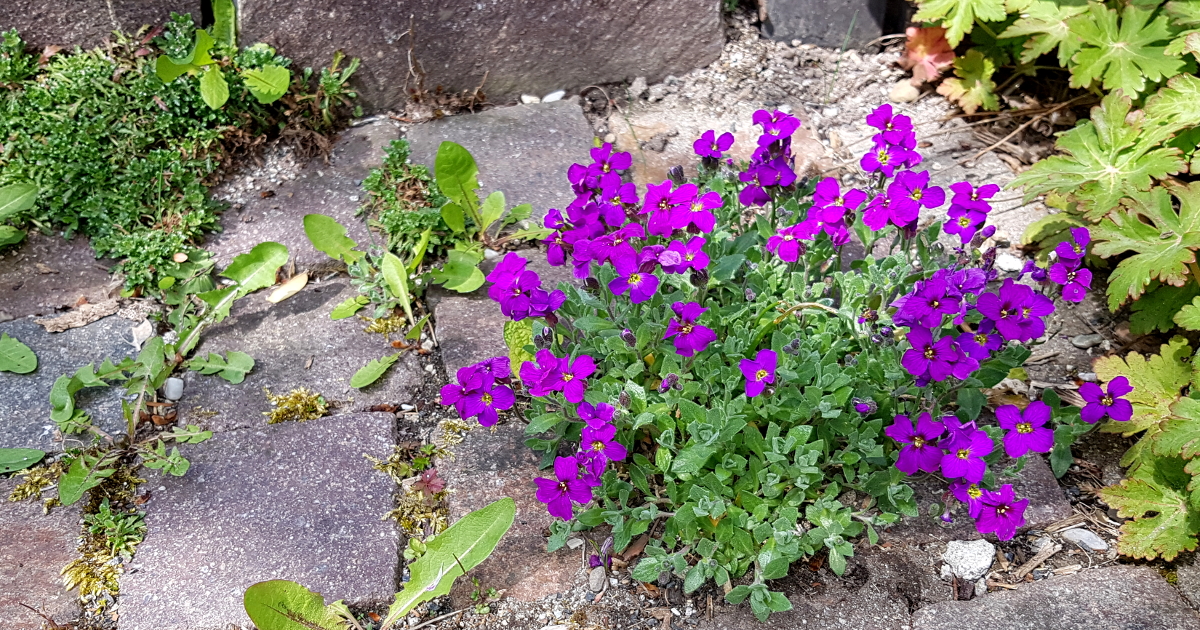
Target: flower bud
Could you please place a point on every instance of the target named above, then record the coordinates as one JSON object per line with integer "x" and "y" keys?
{"x": 667, "y": 383}
{"x": 592, "y": 284}
{"x": 629, "y": 338}
{"x": 886, "y": 331}
{"x": 541, "y": 342}
{"x": 675, "y": 174}
{"x": 624, "y": 399}
{"x": 801, "y": 249}
{"x": 699, "y": 277}
{"x": 865, "y": 406}
{"x": 750, "y": 295}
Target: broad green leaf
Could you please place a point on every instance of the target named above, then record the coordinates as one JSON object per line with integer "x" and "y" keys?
{"x": 16, "y": 356}
{"x": 348, "y": 308}
{"x": 329, "y": 237}
{"x": 14, "y": 459}
{"x": 452, "y": 214}
{"x": 1179, "y": 435}
{"x": 517, "y": 335}
{"x": 224, "y": 26}
{"x": 62, "y": 397}
{"x": 1188, "y": 317}
{"x": 219, "y": 302}
{"x": 518, "y": 213}
{"x": 16, "y": 198}
{"x": 233, "y": 367}
{"x": 492, "y": 209}
{"x": 1162, "y": 239}
{"x": 460, "y": 272}
{"x": 372, "y": 371}
{"x": 198, "y": 55}
{"x": 1156, "y": 308}
{"x": 396, "y": 277}
{"x": 1178, "y": 104}
{"x": 958, "y": 16}
{"x": 213, "y": 88}
{"x": 1044, "y": 22}
{"x": 10, "y": 235}
{"x": 1123, "y": 57}
{"x": 168, "y": 70}
{"x": 456, "y": 174}
{"x": 1108, "y": 157}
{"x": 286, "y": 605}
{"x": 1170, "y": 530}
{"x": 972, "y": 86}
{"x": 83, "y": 476}
{"x": 268, "y": 83}
{"x": 1156, "y": 380}
{"x": 460, "y": 548}
{"x": 256, "y": 269}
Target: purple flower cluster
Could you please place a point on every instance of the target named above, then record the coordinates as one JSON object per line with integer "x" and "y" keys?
{"x": 771, "y": 165}
{"x": 968, "y": 211}
{"x": 482, "y": 390}
{"x": 547, "y": 374}
{"x": 690, "y": 337}
{"x": 519, "y": 290}
{"x": 575, "y": 476}
{"x": 1069, "y": 270}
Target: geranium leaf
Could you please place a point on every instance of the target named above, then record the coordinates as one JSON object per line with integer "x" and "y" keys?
{"x": 1178, "y": 104}
{"x": 958, "y": 16}
{"x": 972, "y": 86}
{"x": 1156, "y": 308}
{"x": 1156, "y": 380}
{"x": 1172, "y": 528}
{"x": 1044, "y": 22}
{"x": 1189, "y": 316}
{"x": 1125, "y": 56}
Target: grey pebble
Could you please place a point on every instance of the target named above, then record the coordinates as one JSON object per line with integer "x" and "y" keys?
{"x": 597, "y": 579}
{"x": 1083, "y": 342}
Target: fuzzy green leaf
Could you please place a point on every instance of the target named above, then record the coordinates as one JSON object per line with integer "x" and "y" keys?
{"x": 460, "y": 548}
{"x": 1156, "y": 380}
{"x": 256, "y": 269}
{"x": 1044, "y": 22}
{"x": 15, "y": 356}
{"x": 268, "y": 83}
{"x": 517, "y": 335}
{"x": 958, "y": 16}
{"x": 213, "y": 88}
{"x": 1171, "y": 530}
{"x": 329, "y": 237}
{"x": 1163, "y": 241}
{"x": 456, "y": 174}
{"x": 972, "y": 86}
{"x": 233, "y": 367}
{"x": 1124, "y": 57}
{"x": 372, "y": 371}
{"x": 16, "y": 198}
{"x": 14, "y": 459}
{"x": 1108, "y": 157}
{"x": 286, "y": 605}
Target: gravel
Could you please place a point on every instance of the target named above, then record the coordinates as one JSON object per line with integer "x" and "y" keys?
{"x": 969, "y": 560}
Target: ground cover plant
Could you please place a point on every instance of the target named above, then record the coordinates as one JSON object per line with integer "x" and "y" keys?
{"x": 729, "y": 380}
{"x": 118, "y": 143}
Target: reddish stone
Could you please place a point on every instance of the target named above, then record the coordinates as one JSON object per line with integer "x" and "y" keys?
{"x": 33, "y": 550}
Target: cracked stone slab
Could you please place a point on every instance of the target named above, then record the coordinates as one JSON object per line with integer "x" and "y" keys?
{"x": 294, "y": 344}
{"x": 487, "y": 466}
{"x": 523, "y": 150}
{"x": 25, "y": 406}
{"x": 332, "y": 189}
{"x": 34, "y": 547}
{"x": 294, "y": 501}
{"x": 1120, "y": 597}
{"x": 48, "y": 272}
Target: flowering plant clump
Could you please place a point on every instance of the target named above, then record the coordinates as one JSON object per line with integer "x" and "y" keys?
{"x": 724, "y": 376}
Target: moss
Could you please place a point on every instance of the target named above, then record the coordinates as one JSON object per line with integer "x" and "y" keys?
{"x": 1171, "y": 577}
{"x": 420, "y": 515}
{"x": 96, "y": 571}
{"x": 454, "y": 430}
{"x": 298, "y": 405}
{"x": 38, "y": 479}
{"x": 385, "y": 326}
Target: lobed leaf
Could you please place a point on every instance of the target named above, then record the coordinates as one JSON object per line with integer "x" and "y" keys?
{"x": 372, "y": 371}
{"x": 329, "y": 237}
{"x": 256, "y": 269}
{"x": 959, "y": 16}
{"x": 1171, "y": 528}
{"x": 972, "y": 87}
{"x": 1125, "y": 56}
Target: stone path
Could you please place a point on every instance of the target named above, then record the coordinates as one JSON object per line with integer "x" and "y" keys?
{"x": 47, "y": 273}
{"x": 33, "y": 549}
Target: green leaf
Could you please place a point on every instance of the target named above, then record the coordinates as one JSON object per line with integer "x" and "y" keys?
{"x": 213, "y": 88}
{"x": 1044, "y": 22}
{"x": 1163, "y": 241}
{"x": 329, "y": 237}
{"x": 10, "y": 235}
{"x": 16, "y": 198}
{"x": 460, "y": 272}
{"x": 1123, "y": 57}
{"x": 349, "y": 307}
{"x": 457, "y": 550}
{"x": 268, "y": 83}
{"x": 456, "y": 174}
{"x": 372, "y": 371}
{"x": 1178, "y": 104}
{"x": 1163, "y": 525}
{"x": 544, "y": 422}
{"x": 285, "y": 605}
{"x": 16, "y": 356}
{"x": 727, "y": 266}
{"x": 219, "y": 302}
{"x": 692, "y": 459}
{"x": 958, "y": 16}
{"x": 517, "y": 335}
{"x": 1156, "y": 308}
{"x": 85, "y": 473}
{"x": 396, "y": 276}
{"x": 1156, "y": 380}
{"x": 14, "y": 459}
{"x": 452, "y": 214}
{"x": 233, "y": 367}
{"x": 972, "y": 86}
{"x": 1108, "y": 157}
{"x": 168, "y": 70}
{"x": 1188, "y": 317}
{"x": 256, "y": 269}
{"x": 492, "y": 209}
{"x": 224, "y": 22}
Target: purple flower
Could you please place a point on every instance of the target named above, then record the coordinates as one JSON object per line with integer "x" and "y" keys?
{"x": 617, "y": 248}
{"x": 542, "y": 303}
{"x": 929, "y": 303}
{"x": 683, "y": 257}
{"x": 865, "y": 406}
{"x": 1001, "y": 513}
{"x": 1101, "y": 404}
{"x": 558, "y": 493}
{"x": 910, "y": 192}
{"x": 920, "y": 451}
{"x": 827, "y": 219}
{"x": 595, "y": 416}
{"x": 965, "y": 451}
{"x": 967, "y": 281}
{"x": 894, "y": 128}
{"x": 1016, "y": 311}
{"x": 710, "y": 146}
{"x": 763, "y": 175}
{"x": 495, "y": 368}
{"x": 964, "y": 222}
{"x": 690, "y": 337}
{"x": 978, "y": 345}
{"x": 973, "y": 198}
{"x": 602, "y": 441}
{"x": 538, "y": 375}
{"x": 470, "y": 378}
{"x": 571, "y": 377}
{"x": 776, "y": 125}
{"x": 970, "y": 494}
{"x": 759, "y": 372}
{"x": 1036, "y": 273}
{"x": 487, "y": 400}
{"x": 786, "y": 244}
{"x": 1027, "y": 430}
{"x": 697, "y": 217}
{"x": 829, "y": 194}
{"x": 1075, "y": 282}
{"x": 606, "y": 161}
{"x": 1076, "y": 248}
{"x": 641, "y": 286}
{"x": 878, "y": 213}
{"x": 886, "y": 158}
{"x": 928, "y": 359}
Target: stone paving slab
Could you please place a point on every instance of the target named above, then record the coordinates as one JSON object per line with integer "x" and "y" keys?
{"x": 292, "y": 501}
{"x": 332, "y": 189}
{"x": 1121, "y": 597}
{"x": 48, "y": 272}
{"x": 1047, "y": 504}
{"x": 489, "y": 465}
{"x": 33, "y": 549}
{"x": 523, "y": 150}
{"x": 86, "y": 22}
{"x": 283, "y": 338}
{"x": 25, "y": 406}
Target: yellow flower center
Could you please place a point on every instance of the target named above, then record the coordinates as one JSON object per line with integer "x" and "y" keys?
{"x": 1107, "y": 401}
{"x": 964, "y": 221}
{"x": 597, "y": 446}
{"x": 635, "y": 278}
{"x": 918, "y": 441}
{"x": 1001, "y": 510}
{"x": 981, "y": 338}
{"x": 685, "y": 329}
{"x": 882, "y": 156}
{"x": 930, "y": 353}
{"x": 1025, "y": 311}
{"x": 974, "y": 491}
{"x": 486, "y": 398}
{"x": 568, "y": 376}
{"x": 963, "y": 453}
{"x": 916, "y": 195}
{"x": 1024, "y": 427}
{"x": 760, "y": 375}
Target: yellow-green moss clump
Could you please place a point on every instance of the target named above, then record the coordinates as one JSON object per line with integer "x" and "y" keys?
{"x": 298, "y": 405}
{"x": 37, "y": 479}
